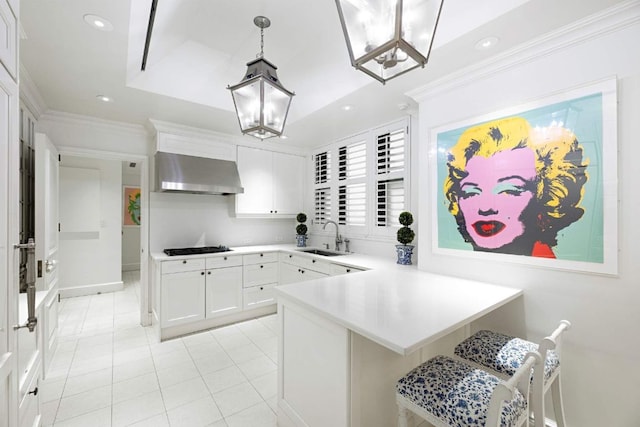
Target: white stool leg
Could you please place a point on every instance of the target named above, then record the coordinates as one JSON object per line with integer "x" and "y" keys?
{"x": 403, "y": 420}
{"x": 556, "y": 396}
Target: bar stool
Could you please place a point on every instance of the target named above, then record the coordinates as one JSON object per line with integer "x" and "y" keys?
{"x": 449, "y": 392}
{"x": 504, "y": 354}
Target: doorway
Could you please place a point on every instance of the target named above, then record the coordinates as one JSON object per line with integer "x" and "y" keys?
{"x": 116, "y": 224}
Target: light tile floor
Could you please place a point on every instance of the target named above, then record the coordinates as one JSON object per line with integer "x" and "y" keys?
{"x": 110, "y": 371}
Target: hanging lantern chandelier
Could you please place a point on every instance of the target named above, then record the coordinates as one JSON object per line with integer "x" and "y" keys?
{"x": 387, "y": 38}
{"x": 261, "y": 102}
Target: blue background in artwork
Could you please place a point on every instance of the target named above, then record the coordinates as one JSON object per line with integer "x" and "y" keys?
{"x": 582, "y": 240}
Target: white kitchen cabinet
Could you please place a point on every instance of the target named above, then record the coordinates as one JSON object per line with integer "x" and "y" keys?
{"x": 224, "y": 291}
{"x": 183, "y": 296}
{"x": 258, "y": 296}
{"x": 260, "y": 276}
{"x": 9, "y": 44}
{"x": 337, "y": 269}
{"x": 273, "y": 183}
{"x": 291, "y": 273}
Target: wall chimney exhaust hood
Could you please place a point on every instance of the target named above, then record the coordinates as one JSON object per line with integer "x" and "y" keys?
{"x": 189, "y": 174}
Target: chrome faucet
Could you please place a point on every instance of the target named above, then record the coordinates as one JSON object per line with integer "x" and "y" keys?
{"x": 338, "y": 237}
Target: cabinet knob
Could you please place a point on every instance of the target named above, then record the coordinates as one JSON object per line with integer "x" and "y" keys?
{"x": 202, "y": 273}
{"x": 208, "y": 272}
{"x": 261, "y": 288}
{"x": 184, "y": 261}
{"x": 302, "y": 271}
{"x": 262, "y": 266}
{"x": 261, "y": 255}
{"x": 348, "y": 270}
{"x": 225, "y": 258}
{"x": 313, "y": 261}
{"x": 290, "y": 256}
{"x": 34, "y": 391}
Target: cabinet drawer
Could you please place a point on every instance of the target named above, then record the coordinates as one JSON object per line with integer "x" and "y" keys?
{"x": 224, "y": 261}
{"x": 260, "y": 257}
{"x": 306, "y": 262}
{"x": 181, "y": 265}
{"x": 337, "y": 269}
{"x": 259, "y": 296}
{"x": 260, "y": 274}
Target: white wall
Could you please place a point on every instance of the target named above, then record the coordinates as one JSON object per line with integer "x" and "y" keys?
{"x": 91, "y": 263}
{"x": 600, "y": 374}
{"x": 183, "y": 220}
{"x": 130, "y": 235}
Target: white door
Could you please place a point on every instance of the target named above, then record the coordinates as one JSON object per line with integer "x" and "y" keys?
{"x": 46, "y": 215}
{"x": 9, "y": 281}
{"x": 47, "y": 173}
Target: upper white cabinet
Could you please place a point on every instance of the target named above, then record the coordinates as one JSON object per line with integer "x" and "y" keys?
{"x": 8, "y": 36}
{"x": 273, "y": 183}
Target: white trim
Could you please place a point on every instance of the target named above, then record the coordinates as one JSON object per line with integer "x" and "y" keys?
{"x": 78, "y": 119}
{"x": 30, "y": 95}
{"x": 97, "y": 288}
{"x": 612, "y": 19}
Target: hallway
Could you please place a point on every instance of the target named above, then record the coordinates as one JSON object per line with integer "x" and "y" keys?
{"x": 109, "y": 371}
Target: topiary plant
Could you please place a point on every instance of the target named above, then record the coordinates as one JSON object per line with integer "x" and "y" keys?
{"x": 301, "y": 228}
{"x": 405, "y": 234}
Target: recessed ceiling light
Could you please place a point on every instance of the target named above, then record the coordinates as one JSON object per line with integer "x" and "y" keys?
{"x": 486, "y": 43}
{"x": 347, "y": 107}
{"x": 283, "y": 137}
{"x": 98, "y": 22}
{"x": 104, "y": 98}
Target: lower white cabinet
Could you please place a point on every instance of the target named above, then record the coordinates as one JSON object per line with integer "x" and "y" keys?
{"x": 224, "y": 291}
{"x": 183, "y": 296}
{"x": 291, "y": 273}
{"x": 258, "y": 296}
{"x": 29, "y": 404}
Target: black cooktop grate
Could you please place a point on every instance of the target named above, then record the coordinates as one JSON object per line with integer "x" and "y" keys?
{"x": 196, "y": 250}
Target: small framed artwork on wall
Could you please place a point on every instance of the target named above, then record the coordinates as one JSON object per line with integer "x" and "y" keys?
{"x": 534, "y": 184}
{"x": 131, "y": 206}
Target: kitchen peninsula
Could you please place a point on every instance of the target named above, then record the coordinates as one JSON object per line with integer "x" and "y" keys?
{"x": 345, "y": 340}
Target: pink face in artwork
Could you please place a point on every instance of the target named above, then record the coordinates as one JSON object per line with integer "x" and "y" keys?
{"x": 494, "y": 194}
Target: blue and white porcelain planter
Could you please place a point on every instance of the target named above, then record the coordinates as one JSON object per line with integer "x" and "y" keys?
{"x": 301, "y": 240}
{"x": 404, "y": 254}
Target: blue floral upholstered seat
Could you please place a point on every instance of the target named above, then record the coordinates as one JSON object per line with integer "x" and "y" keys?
{"x": 503, "y": 354}
{"x": 450, "y": 392}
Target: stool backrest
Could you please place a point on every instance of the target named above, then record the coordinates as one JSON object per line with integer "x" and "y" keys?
{"x": 506, "y": 390}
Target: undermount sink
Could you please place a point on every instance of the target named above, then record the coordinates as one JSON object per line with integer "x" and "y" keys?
{"x": 322, "y": 252}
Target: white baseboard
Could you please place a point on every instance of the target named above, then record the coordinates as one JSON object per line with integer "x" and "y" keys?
{"x": 131, "y": 267}
{"x": 99, "y": 288}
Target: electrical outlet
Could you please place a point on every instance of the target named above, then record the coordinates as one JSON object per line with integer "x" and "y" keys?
{"x": 279, "y": 238}
{"x": 247, "y": 240}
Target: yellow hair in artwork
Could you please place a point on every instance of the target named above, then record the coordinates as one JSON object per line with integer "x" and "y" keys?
{"x": 561, "y": 171}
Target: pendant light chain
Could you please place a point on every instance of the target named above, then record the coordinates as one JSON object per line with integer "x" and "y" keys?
{"x": 261, "y": 42}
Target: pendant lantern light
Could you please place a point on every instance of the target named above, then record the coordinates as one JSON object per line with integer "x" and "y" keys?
{"x": 261, "y": 102}
{"x": 387, "y": 38}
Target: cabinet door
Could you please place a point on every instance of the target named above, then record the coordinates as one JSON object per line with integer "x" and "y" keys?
{"x": 255, "y": 169}
{"x": 224, "y": 291}
{"x": 182, "y": 298}
{"x": 288, "y": 181}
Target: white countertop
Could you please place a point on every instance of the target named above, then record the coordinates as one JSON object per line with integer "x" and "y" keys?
{"x": 394, "y": 305}
{"x": 400, "y": 310}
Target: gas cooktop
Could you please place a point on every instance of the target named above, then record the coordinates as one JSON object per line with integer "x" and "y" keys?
{"x": 197, "y": 250}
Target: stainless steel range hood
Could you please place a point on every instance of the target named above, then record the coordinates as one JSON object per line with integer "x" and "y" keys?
{"x": 189, "y": 174}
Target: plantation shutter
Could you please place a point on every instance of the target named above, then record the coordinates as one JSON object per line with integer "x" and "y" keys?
{"x": 390, "y": 197}
{"x": 352, "y": 188}
{"x": 322, "y": 205}
{"x": 322, "y": 167}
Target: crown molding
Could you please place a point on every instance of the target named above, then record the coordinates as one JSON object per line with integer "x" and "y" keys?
{"x": 94, "y": 122}
{"x": 609, "y": 20}
{"x": 30, "y": 95}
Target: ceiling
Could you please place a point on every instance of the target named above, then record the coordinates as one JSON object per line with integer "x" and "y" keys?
{"x": 199, "y": 47}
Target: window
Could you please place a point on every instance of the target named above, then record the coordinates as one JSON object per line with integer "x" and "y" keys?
{"x": 362, "y": 182}
{"x": 352, "y": 189}
{"x": 322, "y": 205}
{"x": 322, "y": 190}
{"x": 390, "y": 165}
